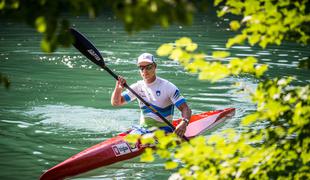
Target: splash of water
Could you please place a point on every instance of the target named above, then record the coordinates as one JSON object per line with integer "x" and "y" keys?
{"x": 90, "y": 119}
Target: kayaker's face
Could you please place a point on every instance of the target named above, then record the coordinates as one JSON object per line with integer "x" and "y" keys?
{"x": 147, "y": 71}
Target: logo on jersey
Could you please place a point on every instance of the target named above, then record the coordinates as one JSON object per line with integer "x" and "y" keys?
{"x": 176, "y": 94}
{"x": 158, "y": 93}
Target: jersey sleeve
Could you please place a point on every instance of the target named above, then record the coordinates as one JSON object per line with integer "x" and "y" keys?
{"x": 129, "y": 96}
{"x": 175, "y": 96}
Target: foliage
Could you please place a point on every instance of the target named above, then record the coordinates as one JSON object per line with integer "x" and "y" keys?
{"x": 275, "y": 142}
{"x": 183, "y": 51}
{"x": 267, "y": 21}
{"x": 281, "y": 149}
{"x": 264, "y": 22}
{"x": 143, "y": 14}
{"x": 50, "y": 17}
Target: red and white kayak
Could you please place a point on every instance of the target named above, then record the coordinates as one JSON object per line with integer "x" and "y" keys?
{"x": 117, "y": 149}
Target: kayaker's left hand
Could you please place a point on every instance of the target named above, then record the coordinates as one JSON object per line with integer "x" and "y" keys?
{"x": 181, "y": 128}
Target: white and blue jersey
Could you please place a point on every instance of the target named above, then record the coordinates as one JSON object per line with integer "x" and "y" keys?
{"x": 161, "y": 94}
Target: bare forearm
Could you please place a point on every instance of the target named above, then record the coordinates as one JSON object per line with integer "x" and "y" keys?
{"x": 116, "y": 98}
{"x": 186, "y": 111}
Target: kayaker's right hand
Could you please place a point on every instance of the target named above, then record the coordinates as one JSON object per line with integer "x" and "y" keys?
{"x": 120, "y": 83}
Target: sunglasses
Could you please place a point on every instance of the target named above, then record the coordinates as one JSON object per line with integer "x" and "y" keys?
{"x": 147, "y": 67}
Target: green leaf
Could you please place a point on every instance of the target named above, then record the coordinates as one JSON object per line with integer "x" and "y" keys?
{"x": 164, "y": 50}
{"x": 249, "y": 119}
{"x": 171, "y": 165}
{"x": 198, "y": 141}
{"x": 248, "y": 64}
{"x": 214, "y": 72}
{"x": 191, "y": 47}
{"x": 146, "y": 139}
{"x": 176, "y": 54}
{"x": 216, "y": 139}
{"x": 264, "y": 41}
{"x": 217, "y": 2}
{"x": 163, "y": 153}
{"x": 2, "y": 4}
{"x": 260, "y": 70}
{"x": 220, "y": 54}
{"x": 222, "y": 12}
{"x": 46, "y": 45}
{"x": 40, "y": 24}
{"x": 147, "y": 156}
{"x": 15, "y": 4}
{"x": 132, "y": 138}
{"x": 253, "y": 39}
{"x": 239, "y": 39}
{"x": 159, "y": 134}
{"x": 184, "y": 41}
{"x": 234, "y": 25}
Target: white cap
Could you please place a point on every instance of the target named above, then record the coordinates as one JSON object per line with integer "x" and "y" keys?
{"x": 146, "y": 57}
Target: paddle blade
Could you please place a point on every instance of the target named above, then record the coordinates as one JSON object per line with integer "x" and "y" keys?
{"x": 87, "y": 48}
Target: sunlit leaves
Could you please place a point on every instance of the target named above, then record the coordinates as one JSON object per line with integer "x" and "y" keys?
{"x": 132, "y": 138}
{"x": 147, "y": 156}
{"x": 249, "y": 119}
{"x": 40, "y": 24}
{"x": 164, "y": 49}
{"x": 268, "y": 22}
{"x": 234, "y": 25}
{"x": 260, "y": 70}
{"x": 213, "y": 71}
{"x": 191, "y": 47}
{"x": 13, "y": 4}
{"x": 238, "y": 39}
{"x": 268, "y": 152}
{"x": 171, "y": 165}
{"x": 217, "y": 2}
{"x": 46, "y": 45}
{"x": 140, "y": 15}
{"x": 254, "y": 39}
{"x": 275, "y": 144}
{"x": 220, "y": 54}
{"x": 184, "y": 41}
{"x": 2, "y": 4}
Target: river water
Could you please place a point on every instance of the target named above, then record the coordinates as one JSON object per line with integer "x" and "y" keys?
{"x": 59, "y": 104}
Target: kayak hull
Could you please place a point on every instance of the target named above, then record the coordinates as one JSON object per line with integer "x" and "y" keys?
{"x": 116, "y": 149}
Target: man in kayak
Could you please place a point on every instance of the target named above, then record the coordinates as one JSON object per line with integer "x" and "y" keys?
{"x": 160, "y": 93}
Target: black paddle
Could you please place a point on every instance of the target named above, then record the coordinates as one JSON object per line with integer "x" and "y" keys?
{"x": 88, "y": 49}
